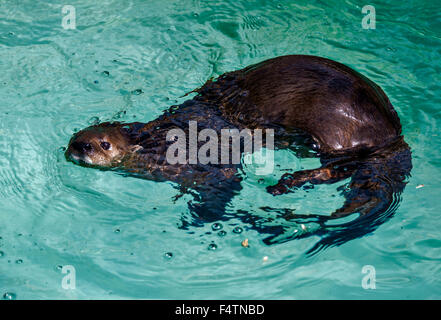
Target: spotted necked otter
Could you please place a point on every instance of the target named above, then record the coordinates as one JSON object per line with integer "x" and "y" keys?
{"x": 311, "y": 103}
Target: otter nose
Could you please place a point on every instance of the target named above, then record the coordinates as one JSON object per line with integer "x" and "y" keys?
{"x": 82, "y": 146}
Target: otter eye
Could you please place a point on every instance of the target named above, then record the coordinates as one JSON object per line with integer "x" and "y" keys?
{"x": 105, "y": 145}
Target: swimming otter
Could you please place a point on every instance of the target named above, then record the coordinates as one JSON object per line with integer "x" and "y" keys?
{"x": 311, "y": 103}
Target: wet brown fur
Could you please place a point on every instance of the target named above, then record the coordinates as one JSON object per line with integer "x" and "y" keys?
{"x": 315, "y": 102}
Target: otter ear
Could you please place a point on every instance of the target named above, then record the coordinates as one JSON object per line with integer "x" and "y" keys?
{"x": 135, "y": 148}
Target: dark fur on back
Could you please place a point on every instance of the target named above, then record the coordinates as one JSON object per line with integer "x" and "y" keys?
{"x": 338, "y": 107}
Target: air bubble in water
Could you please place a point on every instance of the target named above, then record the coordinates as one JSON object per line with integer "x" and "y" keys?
{"x": 222, "y": 233}
{"x": 137, "y": 92}
{"x": 9, "y": 296}
{"x": 216, "y": 226}
{"x": 237, "y": 230}
{"x": 94, "y": 121}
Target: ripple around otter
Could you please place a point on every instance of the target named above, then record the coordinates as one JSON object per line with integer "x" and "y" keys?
{"x": 54, "y": 214}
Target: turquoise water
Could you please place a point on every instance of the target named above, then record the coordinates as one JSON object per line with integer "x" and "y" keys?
{"x": 128, "y": 61}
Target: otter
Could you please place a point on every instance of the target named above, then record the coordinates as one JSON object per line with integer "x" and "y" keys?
{"x": 317, "y": 108}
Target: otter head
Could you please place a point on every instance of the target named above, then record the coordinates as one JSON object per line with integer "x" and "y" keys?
{"x": 103, "y": 145}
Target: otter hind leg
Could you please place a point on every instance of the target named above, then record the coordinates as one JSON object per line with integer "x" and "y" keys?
{"x": 370, "y": 197}
{"x": 373, "y": 201}
{"x": 373, "y": 194}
